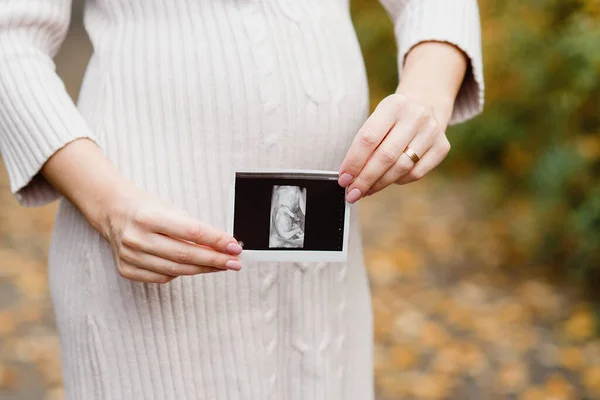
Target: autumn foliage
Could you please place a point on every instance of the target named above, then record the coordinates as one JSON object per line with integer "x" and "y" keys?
{"x": 535, "y": 152}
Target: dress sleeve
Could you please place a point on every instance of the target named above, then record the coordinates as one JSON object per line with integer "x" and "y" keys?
{"x": 37, "y": 116}
{"x": 452, "y": 21}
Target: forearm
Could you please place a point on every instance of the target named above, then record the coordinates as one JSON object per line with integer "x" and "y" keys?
{"x": 289, "y": 235}
{"x": 432, "y": 75}
{"x": 288, "y": 211}
{"x": 83, "y": 174}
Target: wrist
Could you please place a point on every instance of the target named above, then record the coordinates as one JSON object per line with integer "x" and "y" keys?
{"x": 432, "y": 74}
{"x": 107, "y": 202}
{"x": 439, "y": 105}
{"x": 82, "y": 173}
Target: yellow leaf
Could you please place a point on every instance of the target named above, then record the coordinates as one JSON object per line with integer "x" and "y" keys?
{"x": 540, "y": 298}
{"x": 533, "y": 393}
{"x": 513, "y": 377}
{"x": 473, "y": 360}
{"x": 558, "y": 388}
{"x": 28, "y": 312}
{"x": 7, "y": 323}
{"x": 589, "y": 146}
{"x": 447, "y": 360}
{"x": 393, "y": 385}
{"x": 9, "y": 377}
{"x": 404, "y": 357}
{"x": 33, "y": 285}
{"x": 514, "y": 313}
{"x": 431, "y": 387}
{"x": 13, "y": 264}
{"x": 572, "y": 357}
{"x": 408, "y": 262}
{"x": 382, "y": 268}
{"x": 381, "y": 359}
{"x": 591, "y": 380}
{"x": 383, "y": 323}
{"x": 50, "y": 369}
{"x": 433, "y": 336}
{"x": 580, "y": 326}
{"x": 489, "y": 328}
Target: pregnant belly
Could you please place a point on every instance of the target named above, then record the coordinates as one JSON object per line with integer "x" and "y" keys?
{"x": 294, "y": 99}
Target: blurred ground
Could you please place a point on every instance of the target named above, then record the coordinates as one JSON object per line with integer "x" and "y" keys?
{"x": 459, "y": 312}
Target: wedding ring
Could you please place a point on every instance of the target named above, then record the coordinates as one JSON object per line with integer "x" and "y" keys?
{"x": 411, "y": 154}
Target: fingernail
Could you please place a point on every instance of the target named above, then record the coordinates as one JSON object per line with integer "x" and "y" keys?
{"x": 354, "y": 195}
{"x": 234, "y": 249}
{"x": 233, "y": 264}
{"x": 345, "y": 179}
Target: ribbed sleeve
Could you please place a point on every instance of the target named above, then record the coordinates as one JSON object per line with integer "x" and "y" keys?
{"x": 37, "y": 116}
{"x": 453, "y": 21}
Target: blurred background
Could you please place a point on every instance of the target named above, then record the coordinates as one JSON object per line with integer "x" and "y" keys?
{"x": 484, "y": 275}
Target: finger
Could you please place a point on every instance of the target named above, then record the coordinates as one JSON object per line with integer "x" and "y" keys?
{"x": 430, "y": 160}
{"x": 369, "y": 137}
{"x": 160, "y": 265}
{"x": 384, "y": 158}
{"x": 420, "y": 144}
{"x": 180, "y": 251}
{"x": 141, "y": 275}
{"x": 181, "y": 226}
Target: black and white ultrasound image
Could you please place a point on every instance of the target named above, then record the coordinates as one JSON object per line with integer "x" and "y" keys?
{"x": 302, "y": 212}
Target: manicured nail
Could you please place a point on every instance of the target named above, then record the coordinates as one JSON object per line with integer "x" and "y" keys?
{"x": 353, "y": 196}
{"x": 233, "y": 264}
{"x": 345, "y": 179}
{"x": 234, "y": 249}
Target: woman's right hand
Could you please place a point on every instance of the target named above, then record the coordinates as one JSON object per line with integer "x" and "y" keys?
{"x": 151, "y": 241}
{"x": 154, "y": 242}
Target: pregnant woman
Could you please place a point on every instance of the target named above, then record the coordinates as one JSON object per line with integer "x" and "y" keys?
{"x": 150, "y": 298}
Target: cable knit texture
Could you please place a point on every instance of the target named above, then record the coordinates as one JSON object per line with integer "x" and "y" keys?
{"x": 177, "y": 94}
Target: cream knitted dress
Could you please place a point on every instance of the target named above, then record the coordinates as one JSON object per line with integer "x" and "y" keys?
{"x": 177, "y": 93}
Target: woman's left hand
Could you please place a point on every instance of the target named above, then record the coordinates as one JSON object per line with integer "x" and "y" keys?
{"x": 376, "y": 158}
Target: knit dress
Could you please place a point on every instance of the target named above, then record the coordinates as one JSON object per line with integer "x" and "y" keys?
{"x": 177, "y": 94}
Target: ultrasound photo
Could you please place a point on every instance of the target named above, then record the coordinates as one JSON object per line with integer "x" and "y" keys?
{"x": 289, "y": 215}
{"x": 288, "y": 212}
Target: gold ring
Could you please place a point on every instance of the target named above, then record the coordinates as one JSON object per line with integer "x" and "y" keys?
{"x": 411, "y": 154}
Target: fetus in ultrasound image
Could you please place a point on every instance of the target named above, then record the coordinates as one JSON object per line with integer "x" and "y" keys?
{"x": 288, "y": 214}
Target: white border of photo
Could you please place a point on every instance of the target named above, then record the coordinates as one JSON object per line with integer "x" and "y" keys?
{"x": 291, "y": 255}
